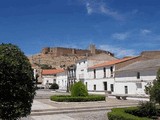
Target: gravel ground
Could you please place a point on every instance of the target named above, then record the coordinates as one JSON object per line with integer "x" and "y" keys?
{"x": 96, "y": 115}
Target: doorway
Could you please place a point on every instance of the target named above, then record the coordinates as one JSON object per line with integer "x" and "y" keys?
{"x": 126, "y": 89}
{"x": 105, "y": 85}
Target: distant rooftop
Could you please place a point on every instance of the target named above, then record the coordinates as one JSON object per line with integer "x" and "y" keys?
{"x": 52, "y": 71}
{"x": 142, "y": 65}
{"x": 113, "y": 62}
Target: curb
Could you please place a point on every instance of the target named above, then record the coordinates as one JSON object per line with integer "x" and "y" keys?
{"x": 73, "y": 110}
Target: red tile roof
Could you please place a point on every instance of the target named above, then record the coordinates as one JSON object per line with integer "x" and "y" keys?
{"x": 51, "y": 71}
{"x": 108, "y": 63}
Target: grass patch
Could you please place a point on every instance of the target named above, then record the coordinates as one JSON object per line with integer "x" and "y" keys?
{"x": 121, "y": 114}
{"x": 68, "y": 98}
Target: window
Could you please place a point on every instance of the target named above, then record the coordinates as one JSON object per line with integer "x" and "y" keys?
{"x": 139, "y": 85}
{"x": 138, "y": 75}
{"x": 112, "y": 87}
{"x": 111, "y": 71}
{"x": 94, "y": 73}
{"x": 94, "y": 87}
{"x": 54, "y": 80}
{"x": 105, "y": 85}
{"x": 126, "y": 89}
{"x": 104, "y": 71}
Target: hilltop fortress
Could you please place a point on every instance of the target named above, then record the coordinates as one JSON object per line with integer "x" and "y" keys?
{"x": 61, "y": 51}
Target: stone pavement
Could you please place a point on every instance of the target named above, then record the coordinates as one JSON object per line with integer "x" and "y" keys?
{"x": 44, "y": 109}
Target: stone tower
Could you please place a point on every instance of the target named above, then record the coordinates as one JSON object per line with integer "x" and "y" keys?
{"x": 92, "y": 49}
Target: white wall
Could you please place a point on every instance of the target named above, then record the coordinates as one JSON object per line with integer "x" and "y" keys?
{"x": 99, "y": 80}
{"x": 100, "y": 72}
{"x": 99, "y": 84}
{"x": 62, "y": 80}
{"x": 129, "y": 79}
{"x": 81, "y": 69}
{"x": 148, "y": 75}
{"x": 49, "y": 78}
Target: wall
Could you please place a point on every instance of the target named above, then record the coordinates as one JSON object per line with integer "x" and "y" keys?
{"x": 58, "y": 51}
{"x": 99, "y": 80}
{"x": 99, "y": 84}
{"x": 81, "y": 70}
{"x": 49, "y": 78}
{"x": 62, "y": 80}
{"x": 100, "y": 72}
{"x": 129, "y": 78}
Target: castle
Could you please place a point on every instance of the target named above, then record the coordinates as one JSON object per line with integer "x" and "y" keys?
{"x": 61, "y": 51}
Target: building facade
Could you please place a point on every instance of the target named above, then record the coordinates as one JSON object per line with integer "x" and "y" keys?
{"x": 132, "y": 79}
{"x": 82, "y": 65}
{"x": 51, "y": 76}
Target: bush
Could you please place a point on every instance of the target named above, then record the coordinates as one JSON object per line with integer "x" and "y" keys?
{"x": 68, "y": 98}
{"x": 154, "y": 89}
{"x": 147, "y": 109}
{"x": 16, "y": 83}
{"x": 79, "y": 90}
{"x": 120, "y": 114}
{"x": 54, "y": 86}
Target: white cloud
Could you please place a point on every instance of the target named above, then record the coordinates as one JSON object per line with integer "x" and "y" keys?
{"x": 98, "y": 6}
{"x": 145, "y": 31}
{"x": 120, "y": 36}
{"x": 89, "y": 8}
{"x": 119, "y": 52}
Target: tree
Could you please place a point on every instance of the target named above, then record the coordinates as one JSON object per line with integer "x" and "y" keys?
{"x": 79, "y": 90}
{"x": 154, "y": 89}
{"x": 16, "y": 83}
{"x": 54, "y": 86}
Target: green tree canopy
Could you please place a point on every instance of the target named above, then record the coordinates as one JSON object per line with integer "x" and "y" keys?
{"x": 79, "y": 90}
{"x": 154, "y": 89}
{"x": 16, "y": 83}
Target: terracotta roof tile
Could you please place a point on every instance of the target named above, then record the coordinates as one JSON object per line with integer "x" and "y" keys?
{"x": 51, "y": 71}
{"x": 111, "y": 62}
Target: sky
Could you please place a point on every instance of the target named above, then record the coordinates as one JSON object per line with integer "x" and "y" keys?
{"x": 124, "y": 27}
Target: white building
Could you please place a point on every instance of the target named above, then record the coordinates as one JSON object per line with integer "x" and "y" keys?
{"x": 51, "y": 76}
{"x": 101, "y": 77}
{"x": 132, "y": 79}
{"x": 83, "y": 64}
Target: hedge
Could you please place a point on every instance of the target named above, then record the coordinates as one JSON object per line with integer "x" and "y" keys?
{"x": 68, "y": 98}
{"x": 120, "y": 114}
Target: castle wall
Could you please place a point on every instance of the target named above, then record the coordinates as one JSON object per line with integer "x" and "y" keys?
{"x": 58, "y": 51}
{"x": 82, "y": 52}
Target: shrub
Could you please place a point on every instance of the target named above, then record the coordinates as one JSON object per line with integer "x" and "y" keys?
{"x": 147, "y": 109}
{"x": 70, "y": 88}
{"x": 154, "y": 89}
{"x": 120, "y": 114}
{"x": 16, "y": 83}
{"x": 79, "y": 89}
{"x": 54, "y": 86}
{"x": 68, "y": 98}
